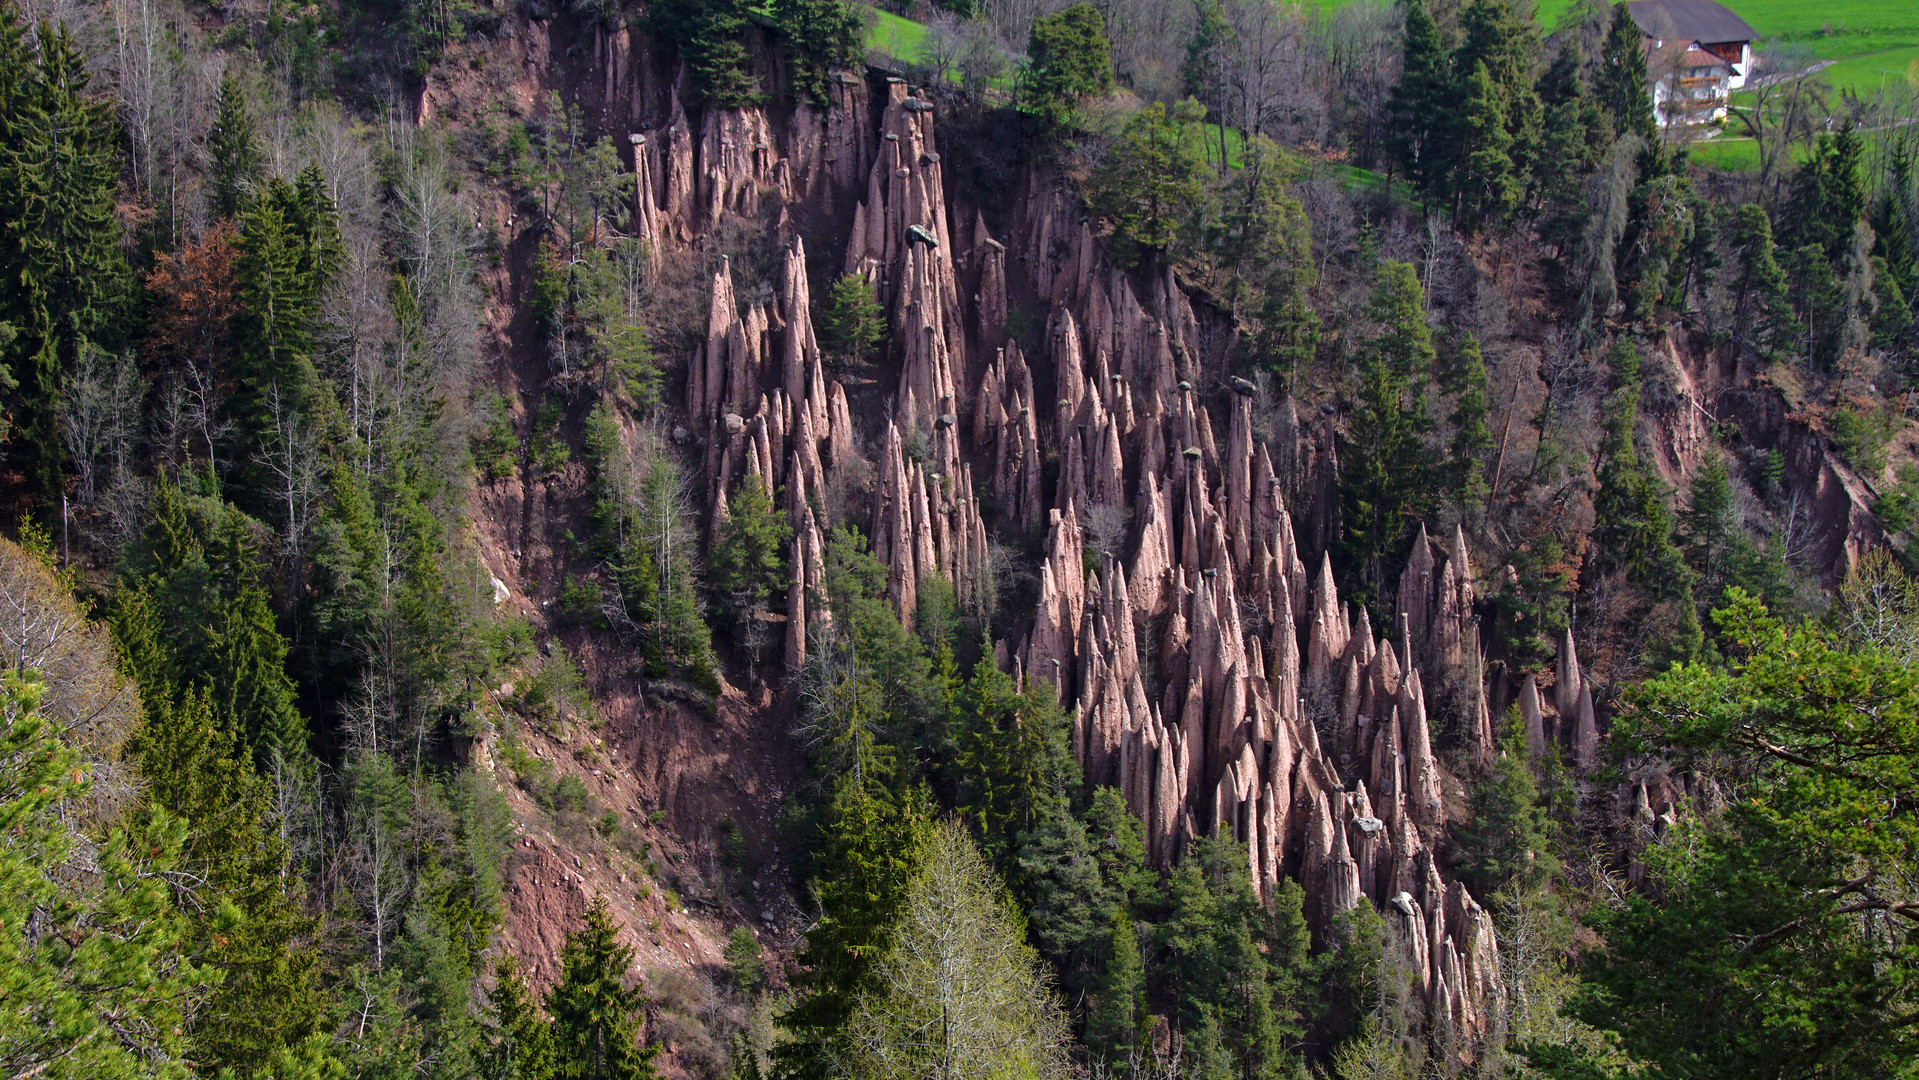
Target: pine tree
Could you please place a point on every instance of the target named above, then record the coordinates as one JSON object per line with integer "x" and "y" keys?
{"x": 596, "y": 1016}
{"x": 235, "y": 163}
{"x": 63, "y": 269}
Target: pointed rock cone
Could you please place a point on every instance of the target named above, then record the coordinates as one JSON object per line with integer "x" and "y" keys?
{"x": 1535, "y": 723}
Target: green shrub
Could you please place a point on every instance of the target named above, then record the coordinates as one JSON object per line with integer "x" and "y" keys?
{"x": 744, "y": 964}
{"x": 569, "y": 794}
{"x": 608, "y": 826}
{"x": 1898, "y": 507}
{"x": 496, "y": 448}
{"x": 1861, "y": 435}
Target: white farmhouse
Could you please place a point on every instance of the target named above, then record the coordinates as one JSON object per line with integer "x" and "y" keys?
{"x": 1698, "y": 52}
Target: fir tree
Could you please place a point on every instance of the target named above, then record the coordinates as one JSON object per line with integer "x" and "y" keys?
{"x": 1573, "y": 135}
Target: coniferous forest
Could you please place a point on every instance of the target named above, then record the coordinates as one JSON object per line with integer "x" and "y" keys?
{"x": 1149, "y": 539}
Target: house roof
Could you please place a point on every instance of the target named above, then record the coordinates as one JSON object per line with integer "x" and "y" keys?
{"x": 1706, "y": 21}
{"x": 1699, "y": 58}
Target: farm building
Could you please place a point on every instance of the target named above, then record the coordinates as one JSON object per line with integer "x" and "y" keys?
{"x": 1698, "y": 53}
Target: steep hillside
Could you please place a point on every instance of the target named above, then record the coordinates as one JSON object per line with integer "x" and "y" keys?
{"x": 1236, "y": 541}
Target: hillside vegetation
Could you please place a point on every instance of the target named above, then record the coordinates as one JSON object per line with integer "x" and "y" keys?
{"x": 584, "y": 540}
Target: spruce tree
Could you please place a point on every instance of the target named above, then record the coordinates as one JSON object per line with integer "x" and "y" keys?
{"x": 235, "y": 163}
{"x": 1387, "y": 480}
{"x": 710, "y": 36}
{"x": 851, "y": 322}
{"x": 1067, "y": 59}
{"x": 1417, "y": 108}
{"x": 748, "y": 566}
{"x": 1116, "y": 1015}
{"x": 1151, "y": 181}
{"x": 1465, "y": 380}
{"x": 278, "y": 304}
{"x": 871, "y": 852}
{"x": 596, "y": 1016}
{"x": 96, "y": 974}
{"x": 1490, "y": 185}
{"x": 1760, "y": 310}
{"x": 823, "y": 35}
{"x": 1819, "y": 303}
{"x": 519, "y": 1038}
{"x": 1633, "y": 524}
{"x": 1506, "y": 842}
{"x": 62, "y": 271}
{"x": 190, "y": 756}
{"x": 1495, "y": 34}
{"x": 1622, "y": 82}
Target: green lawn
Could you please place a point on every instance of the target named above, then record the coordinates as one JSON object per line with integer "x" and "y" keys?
{"x": 902, "y": 39}
{"x": 1736, "y": 154}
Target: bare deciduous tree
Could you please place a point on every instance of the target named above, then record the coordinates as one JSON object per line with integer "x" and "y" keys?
{"x": 100, "y": 418}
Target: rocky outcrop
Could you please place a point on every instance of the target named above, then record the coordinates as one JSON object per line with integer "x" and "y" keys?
{"x": 1215, "y": 680}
